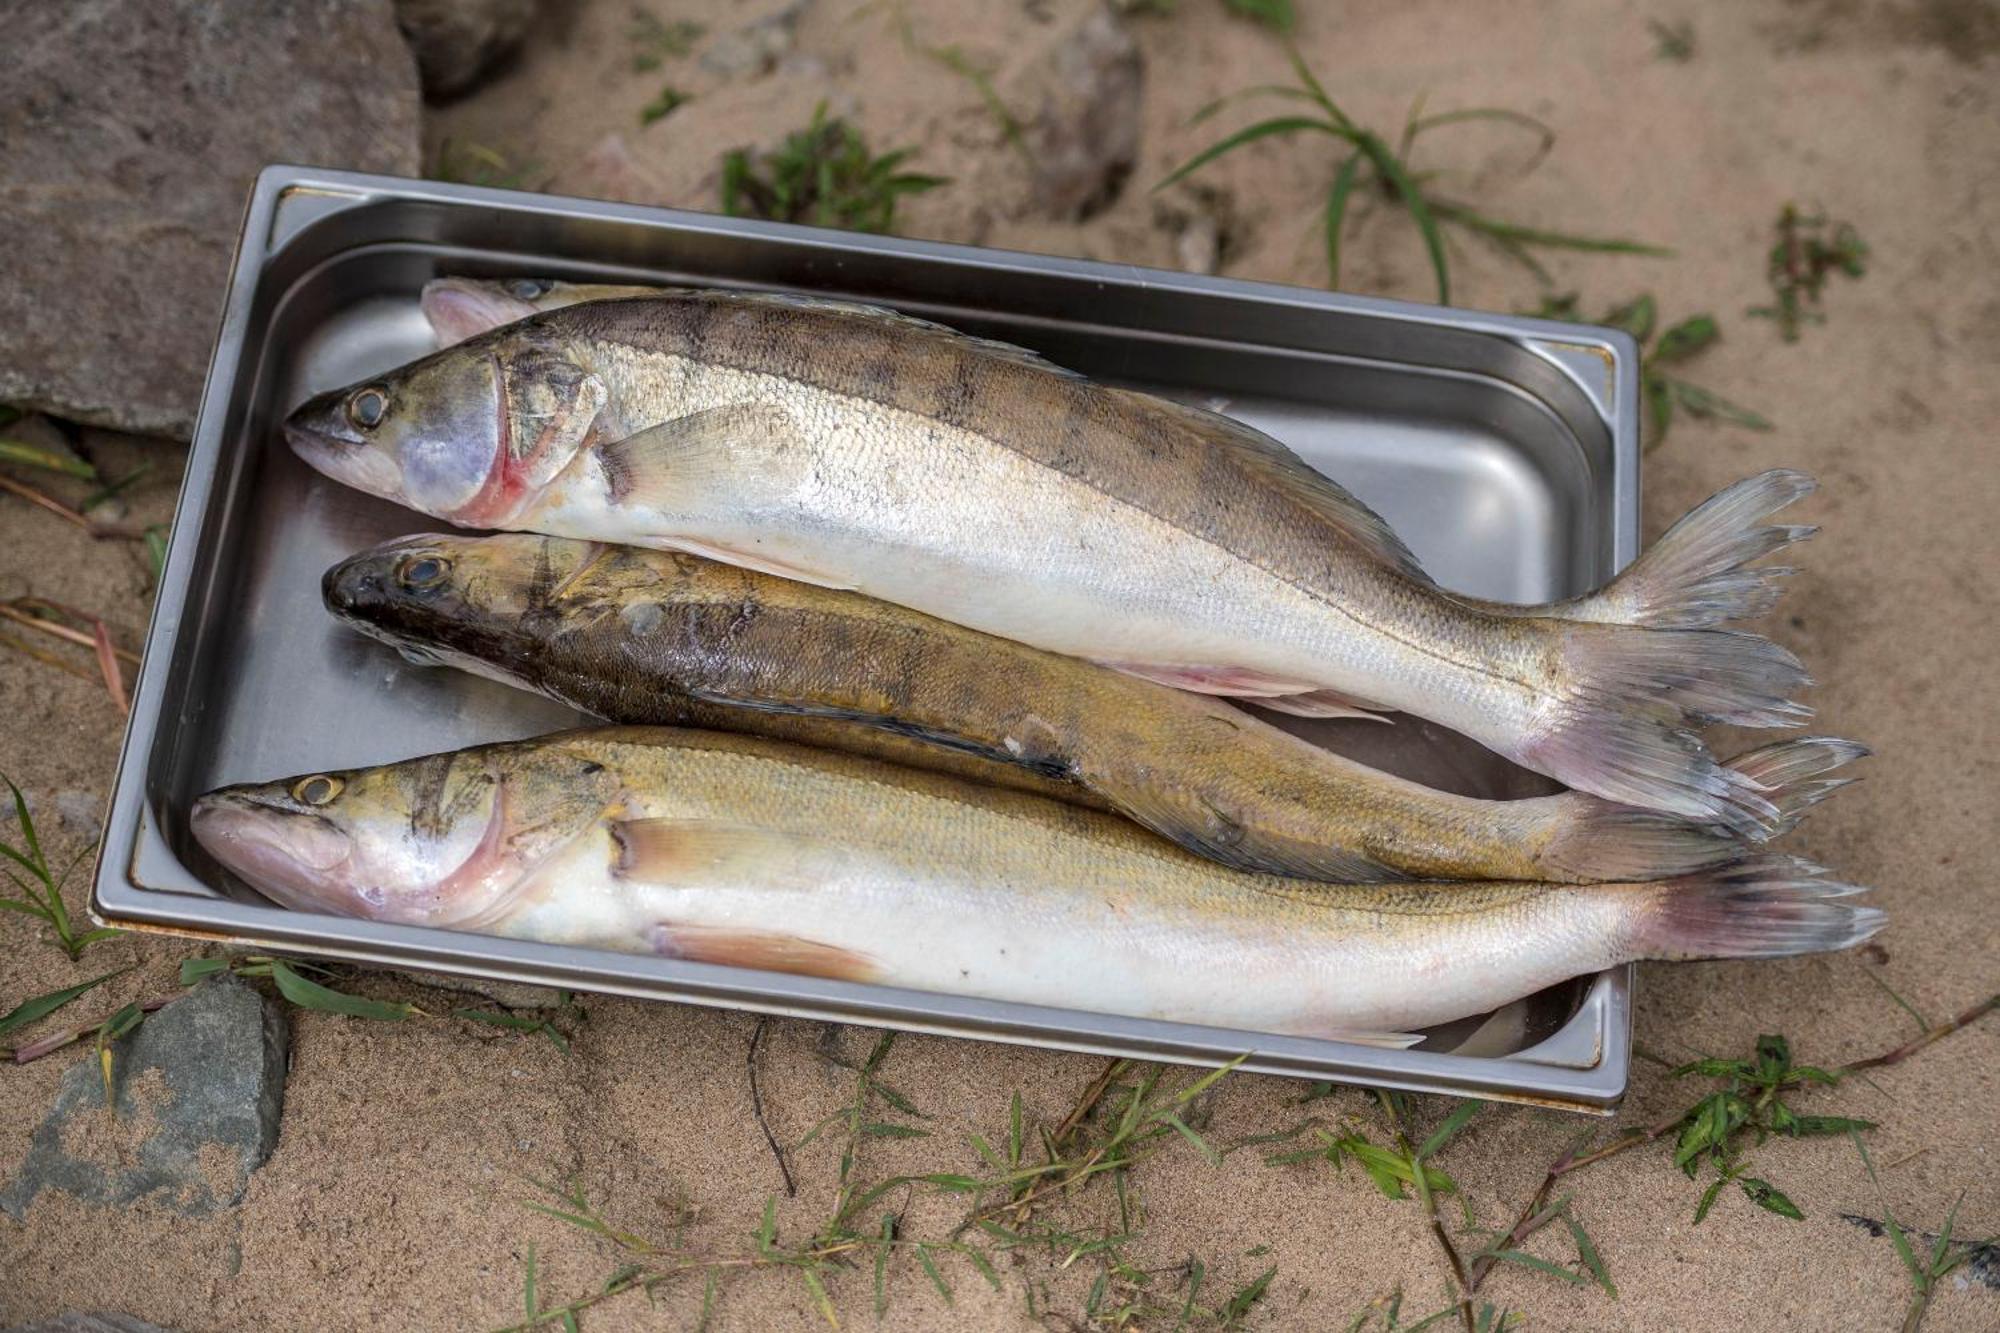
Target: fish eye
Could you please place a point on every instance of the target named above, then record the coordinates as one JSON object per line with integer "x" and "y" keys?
{"x": 528, "y": 289}
{"x": 367, "y": 407}
{"x": 421, "y": 571}
{"x": 317, "y": 789}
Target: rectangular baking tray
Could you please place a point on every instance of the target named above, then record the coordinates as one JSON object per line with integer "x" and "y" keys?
{"x": 1504, "y": 450}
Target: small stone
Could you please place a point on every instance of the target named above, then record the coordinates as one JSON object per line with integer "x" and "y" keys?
{"x": 88, "y": 1323}
{"x": 82, "y": 813}
{"x": 1079, "y": 99}
{"x": 755, "y": 48}
{"x": 130, "y": 136}
{"x": 458, "y": 42}
{"x": 200, "y": 1088}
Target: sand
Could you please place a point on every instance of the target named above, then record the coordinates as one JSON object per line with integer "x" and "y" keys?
{"x": 393, "y": 1197}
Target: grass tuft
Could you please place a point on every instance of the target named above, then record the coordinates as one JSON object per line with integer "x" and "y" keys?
{"x": 1809, "y": 250}
{"x": 1368, "y": 159}
{"x": 39, "y": 895}
{"x": 825, "y": 175}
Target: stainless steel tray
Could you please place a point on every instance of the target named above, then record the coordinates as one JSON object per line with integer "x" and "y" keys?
{"x": 1504, "y": 451}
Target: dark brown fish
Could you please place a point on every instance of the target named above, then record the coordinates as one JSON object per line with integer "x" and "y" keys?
{"x": 640, "y": 636}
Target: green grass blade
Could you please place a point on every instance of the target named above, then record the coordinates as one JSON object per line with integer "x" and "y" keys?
{"x": 1314, "y": 89}
{"x": 1557, "y": 240}
{"x": 30, "y": 455}
{"x": 1201, "y": 1144}
{"x": 311, "y": 995}
{"x": 1261, "y": 90}
{"x": 1707, "y": 405}
{"x": 1526, "y": 1260}
{"x": 41, "y": 1006}
{"x": 1336, "y": 214}
{"x": 1263, "y": 129}
{"x": 1588, "y": 1253}
{"x": 1449, "y": 1129}
{"x": 1419, "y": 208}
{"x": 32, "y": 861}
{"x": 821, "y": 1301}
{"x": 931, "y": 1271}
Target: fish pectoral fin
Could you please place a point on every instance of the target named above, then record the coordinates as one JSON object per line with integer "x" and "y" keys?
{"x": 752, "y": 560}
{"x": 707, "y": 851}
{"x": 766, "y": 951}
{"x": 670, "y": 461}
{"x": 1323, "y": 703}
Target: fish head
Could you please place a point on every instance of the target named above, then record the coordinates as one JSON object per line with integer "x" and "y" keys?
{"x": 449, "y": 840}
{"x": 461, "y": 308}
{"x": 471, "y": 434}
{"x": 476, "y": 603}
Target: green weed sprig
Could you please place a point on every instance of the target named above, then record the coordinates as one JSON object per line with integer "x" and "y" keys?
{"x": 1371, "y": 160}
{"x": 1662, "y": 392}
{"x": 825, "y": 175}
{"x": 1808, "y": 251}
{"x": 40, "y": 894}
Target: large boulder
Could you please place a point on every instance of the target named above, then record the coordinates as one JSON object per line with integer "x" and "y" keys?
{"x": 129, "y": 136}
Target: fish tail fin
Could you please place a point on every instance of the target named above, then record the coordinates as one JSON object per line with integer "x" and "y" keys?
{"x": 1700, "y": 574}
{"x": 1597, "y": 840}
{"x": 1792, "y": 773}
{"x": 1766, "y": 907}
{"x": 1624, "y": 729}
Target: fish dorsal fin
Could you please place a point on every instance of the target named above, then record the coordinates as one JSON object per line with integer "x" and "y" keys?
{"x": 882, "y": 314}
{"x": 1272, "y": 463}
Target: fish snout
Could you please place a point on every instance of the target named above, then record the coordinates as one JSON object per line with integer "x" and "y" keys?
{"x": 355, "y": 585}
{"x": 321, "y": 433}
{"x": 292, "y": 857}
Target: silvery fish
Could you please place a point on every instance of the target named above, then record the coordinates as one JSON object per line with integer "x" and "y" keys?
{"x": 754, "y": 853}
{"x": 639, "y": 636}
{"x": 853, "y": 447}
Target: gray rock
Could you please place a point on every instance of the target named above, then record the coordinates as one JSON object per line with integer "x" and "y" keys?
{"x": 458, "y": 42}
{"x": 129, "y": 138}
{"x": 88, "y": 1323}
{"x": 755, "y": 48}
{"x": 1079, "y": 101}
{"x": 212, "y": 1066}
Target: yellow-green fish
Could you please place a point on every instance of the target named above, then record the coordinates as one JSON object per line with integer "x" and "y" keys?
{"x": 639, "y": 636}
{"x": 853, "y": 447}
{"x": 756, "y": 853}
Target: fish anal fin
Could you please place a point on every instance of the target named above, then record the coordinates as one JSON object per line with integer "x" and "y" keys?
{"x": 765, "y": 951}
